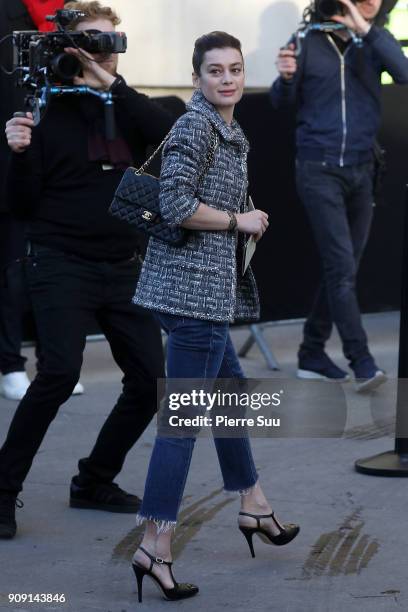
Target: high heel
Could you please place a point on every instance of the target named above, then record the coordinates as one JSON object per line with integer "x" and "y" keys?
{"x": 286, "y": 534}
{"x": 178, "y": 591}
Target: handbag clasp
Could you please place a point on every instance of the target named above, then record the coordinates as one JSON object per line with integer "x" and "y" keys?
{"x": 147, "y": 215}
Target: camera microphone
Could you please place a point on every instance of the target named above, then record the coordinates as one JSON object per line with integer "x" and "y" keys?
{"x": 64, "y": 16}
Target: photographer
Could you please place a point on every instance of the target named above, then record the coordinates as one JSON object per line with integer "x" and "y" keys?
{"x": 14, "y": 305}
{"x": 83, "y": 266}
{"x": 336, "y": 86}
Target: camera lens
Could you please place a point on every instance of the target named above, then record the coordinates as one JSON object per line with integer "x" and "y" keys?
{"x": 328, "y": 8}
{"x": 65, "y": 66}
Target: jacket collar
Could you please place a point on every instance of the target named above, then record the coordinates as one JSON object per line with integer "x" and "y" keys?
{"x": 230, "y": 133}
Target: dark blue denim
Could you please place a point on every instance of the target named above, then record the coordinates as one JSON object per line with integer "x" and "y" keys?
{"x": 196, "y": 349}
{"x": 339, "y": 204}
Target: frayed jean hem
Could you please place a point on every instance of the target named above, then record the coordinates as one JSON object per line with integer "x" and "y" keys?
{"x": 162, "y": 525}
{"x": 242, "y": 491}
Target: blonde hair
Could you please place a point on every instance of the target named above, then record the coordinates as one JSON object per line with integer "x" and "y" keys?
{"x": 92, "y": 10}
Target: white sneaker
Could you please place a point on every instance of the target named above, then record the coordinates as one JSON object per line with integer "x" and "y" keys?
{"x": 15, "y": 385}
{"x": 78, "y": 389}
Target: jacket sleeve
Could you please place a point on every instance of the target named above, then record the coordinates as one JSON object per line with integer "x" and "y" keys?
{"x": 389, "y": 52}
{"x": 150, "y": 119}
{"x": 24, "y": 179}
{"x": 283, "y": 93}
{"x": 184, "y": 156}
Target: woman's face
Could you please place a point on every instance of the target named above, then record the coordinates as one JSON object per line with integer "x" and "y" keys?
{"x": 222, "y": 77}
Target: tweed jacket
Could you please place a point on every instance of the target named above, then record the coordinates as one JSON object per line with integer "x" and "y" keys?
{"x": 201, "y": 279}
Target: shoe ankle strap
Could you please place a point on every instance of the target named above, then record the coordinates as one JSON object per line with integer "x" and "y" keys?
{"x": 154, "y": 559}
{"x": 257, "y": 516}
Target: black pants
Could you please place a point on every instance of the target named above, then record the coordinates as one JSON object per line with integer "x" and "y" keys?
{"x": 68, "y": 294}
{"x": 339, "y": 204}
{"x": 13, "y": 299}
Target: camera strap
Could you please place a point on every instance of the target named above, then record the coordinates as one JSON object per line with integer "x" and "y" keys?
{"x": 301, "y": 62}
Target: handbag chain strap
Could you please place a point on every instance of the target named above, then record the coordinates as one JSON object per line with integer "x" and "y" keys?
{"x": 152, "y": 156}
{"x": 209, "y": 159}
{"x": 210, "y": 153}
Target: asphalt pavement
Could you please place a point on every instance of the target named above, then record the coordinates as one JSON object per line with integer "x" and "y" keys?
{"x": 350, "y": 555}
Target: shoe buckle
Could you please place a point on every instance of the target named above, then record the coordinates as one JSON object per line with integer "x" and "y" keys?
{"x": 159, "y": 560}
{"x": 19, "y": 503}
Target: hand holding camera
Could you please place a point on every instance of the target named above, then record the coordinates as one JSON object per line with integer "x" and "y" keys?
{"x": 18, "y": 132}
{"x": 93, "y": 72}
{"x": 351, "y": 18}
{"x": 286, "y": 62}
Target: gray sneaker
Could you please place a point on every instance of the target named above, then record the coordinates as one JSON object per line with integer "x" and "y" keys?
{"x": 368, "y": 375}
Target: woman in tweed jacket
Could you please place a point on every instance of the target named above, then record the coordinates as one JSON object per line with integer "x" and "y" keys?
{"x": 196, "y": 291}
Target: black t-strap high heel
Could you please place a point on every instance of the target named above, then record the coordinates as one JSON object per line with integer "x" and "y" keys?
{"x": 178, "y": 591}
{"x": 286, "y": 533}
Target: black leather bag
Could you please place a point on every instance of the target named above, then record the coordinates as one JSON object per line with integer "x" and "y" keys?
{"x": 136, "y": 200}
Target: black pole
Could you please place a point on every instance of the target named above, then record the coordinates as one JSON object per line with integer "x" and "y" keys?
{"x": 395, "y": 463}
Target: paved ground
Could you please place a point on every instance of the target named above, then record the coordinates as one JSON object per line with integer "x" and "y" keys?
{"x": 349, "y": 557}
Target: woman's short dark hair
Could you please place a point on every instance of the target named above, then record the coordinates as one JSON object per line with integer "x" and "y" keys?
{"x": 213, "y": 40}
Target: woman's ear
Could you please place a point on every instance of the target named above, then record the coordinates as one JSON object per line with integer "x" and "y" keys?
{"x": 196, "y": 80}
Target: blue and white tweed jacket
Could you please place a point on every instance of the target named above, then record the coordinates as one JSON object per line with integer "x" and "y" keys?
{"x": 200, "y": 279}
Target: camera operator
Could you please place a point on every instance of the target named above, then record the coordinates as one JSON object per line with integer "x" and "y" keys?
{"x": 14, "y": 381}
{"x": 14, "y": 304}
{"x": 83, "y": 266}
{"x": 336, "y": 87}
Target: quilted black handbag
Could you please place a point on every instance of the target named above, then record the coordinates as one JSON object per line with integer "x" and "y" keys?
{"x": 136, "y": 199}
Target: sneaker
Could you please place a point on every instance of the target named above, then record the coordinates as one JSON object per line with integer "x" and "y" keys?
{"x": 14, "y": 385}
{"x": 368, "y": 375}
{"x": 319, "y": 367}
{"x": 78, "y": 389}
{"x": 8, "y": 525}
{"x": 103, "y": 496}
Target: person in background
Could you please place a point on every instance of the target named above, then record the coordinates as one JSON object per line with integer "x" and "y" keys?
{"x": 14, "y": 302}
{"x": 336, "y": 85}
{"x": 82, "y": 266}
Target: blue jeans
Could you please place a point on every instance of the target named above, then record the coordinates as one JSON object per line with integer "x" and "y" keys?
{"x": 195, "y": 349}
{"x": 339, "y": 204}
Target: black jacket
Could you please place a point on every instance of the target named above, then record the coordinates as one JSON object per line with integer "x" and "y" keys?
{"x": 13, "y": 16}
{"x": 66, "y": 195}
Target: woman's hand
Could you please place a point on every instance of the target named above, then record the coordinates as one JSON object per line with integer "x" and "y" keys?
{"x": 254, "y": 223}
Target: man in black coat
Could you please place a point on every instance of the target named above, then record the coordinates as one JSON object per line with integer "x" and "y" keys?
{"x": 83, "y": 266}
{"x": 13, "y": 16}
{"x": 14, "y": 304}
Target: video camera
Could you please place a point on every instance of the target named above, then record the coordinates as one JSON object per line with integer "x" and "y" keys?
{"x": 39, "y": 57}
{"x": 325, "y": 9}
{"x": 44, "y": 69}
{"x": 317, "y": 17}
